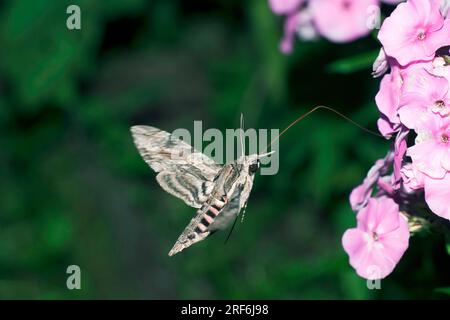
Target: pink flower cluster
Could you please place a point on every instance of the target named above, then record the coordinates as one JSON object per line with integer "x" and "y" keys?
{"x": 414, "y": 101}
{"x": 336, "y": 20}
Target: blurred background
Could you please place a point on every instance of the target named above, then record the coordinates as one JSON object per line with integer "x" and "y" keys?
{"x": 74, "y": 190}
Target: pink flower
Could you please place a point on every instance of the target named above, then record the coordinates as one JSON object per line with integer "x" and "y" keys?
{"x": 392, "y": 87}
{"x": 400, "y": 148}
{"x": 440, "y": 68}
{"x": 361, "y": 194}
{"x": 385, "y": 186}
{"x": 290, "y": 8}
{"x": 414, "y": 31}
{"x": 424, "y": 92}
{"x": 388, "y": 101}
{"x": 290, "y": 30}
{"x": 380, "y": 65}
{"x": 285, "y": 6}
{"x": 379, "y": 241}
{"x": 306, "y": 29}
{"x": 412, "y": 178}
{"x": 386, "y": 128}
{"x": 409, "y": 72}
{"x": 437, "y": 195}
{"x": 392, "y": 1}
{"x": 431, "y": 153}
{"x": 342, "y": 20}
{"x": 414, "y": 96}
{"x": 297, "y": 24}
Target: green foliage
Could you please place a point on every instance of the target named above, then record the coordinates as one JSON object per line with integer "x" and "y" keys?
{"x": 74, "y": 190}
{"x": 443, "y": 291}
{"x": 447, "y": 244}
{"x": 352, "y": 64}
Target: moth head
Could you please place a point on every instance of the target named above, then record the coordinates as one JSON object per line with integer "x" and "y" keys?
{"x": 253, "y": 162}
{"x": 253, "y": 167}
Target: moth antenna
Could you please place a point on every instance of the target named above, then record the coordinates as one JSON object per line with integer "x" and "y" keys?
{"x": 314, "y": 110}
{"x": 241, "y": 137}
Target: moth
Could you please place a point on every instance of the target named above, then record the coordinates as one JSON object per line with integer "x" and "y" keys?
{"x": 218, "y": 192}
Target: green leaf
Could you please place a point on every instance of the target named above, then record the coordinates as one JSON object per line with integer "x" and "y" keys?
{"x": 353, "y": 64}
{"x": 443, "y": 290}
{"x": 447, "y": 243}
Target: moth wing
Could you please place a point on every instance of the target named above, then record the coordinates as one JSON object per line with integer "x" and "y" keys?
{"x": 182, "y": 171}
{"x": 229, "y": 212}
{"x": 189, "y": 188}
{"x": 164, "y": 152}
{"x": 236, "y": 203}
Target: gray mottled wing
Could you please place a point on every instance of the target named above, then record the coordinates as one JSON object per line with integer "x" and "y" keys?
{"x": 165, "y": 152}
{"x": 229, "y": 212}
{"x": 237, "y": 202}
{"x": 183, "y": 171}
{"x": 192, "y": 190}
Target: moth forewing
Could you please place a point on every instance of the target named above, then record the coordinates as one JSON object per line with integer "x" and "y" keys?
{"x": 188, "y": 176}
{"x": 164, "y": 152}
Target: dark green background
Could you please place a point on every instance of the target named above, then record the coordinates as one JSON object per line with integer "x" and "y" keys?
{"x": 74, "y": 190}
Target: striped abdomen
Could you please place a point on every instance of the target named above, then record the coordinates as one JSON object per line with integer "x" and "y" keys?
{"x": 208, "y": 216}
{"x": 199, "y": 227}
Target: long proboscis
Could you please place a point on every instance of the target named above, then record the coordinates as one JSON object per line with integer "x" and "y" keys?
{"x": 314, "y": 110}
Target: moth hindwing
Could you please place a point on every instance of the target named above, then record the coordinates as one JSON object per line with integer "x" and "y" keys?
{"x": 217, "y": 192}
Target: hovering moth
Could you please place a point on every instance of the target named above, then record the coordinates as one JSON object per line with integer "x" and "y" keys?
{"x": 219, "y": 193}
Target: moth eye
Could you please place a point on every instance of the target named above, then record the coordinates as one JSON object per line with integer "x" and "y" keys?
{"x": 253, "y": 168}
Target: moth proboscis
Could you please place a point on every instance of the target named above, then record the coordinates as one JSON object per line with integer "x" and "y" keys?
{"x": 218, "y": 192}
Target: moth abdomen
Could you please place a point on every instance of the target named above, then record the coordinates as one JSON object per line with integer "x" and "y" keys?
{"x": 198, "y": 230}
{"x": 199, "y": 227}
{"x": 210, "y": 213}
{"x": 213, "y": 211}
